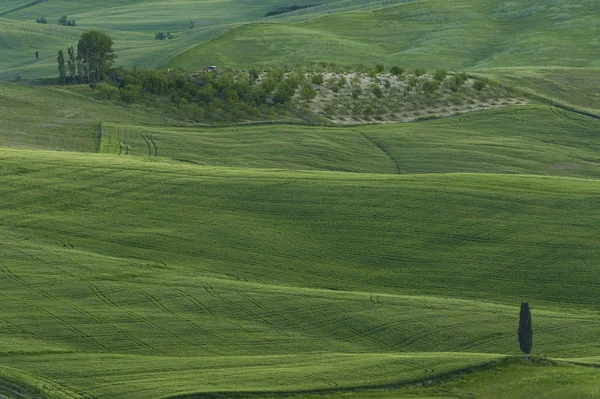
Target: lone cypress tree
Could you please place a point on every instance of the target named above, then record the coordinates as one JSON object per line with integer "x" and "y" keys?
{"x": 525, "y": 329}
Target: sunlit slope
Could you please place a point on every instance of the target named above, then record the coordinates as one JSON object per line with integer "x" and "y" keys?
{"x": 452, "y": 34}
{"x": 55, "y": 119}
{"x": 130, "y": 277}
{"x": 512, "y": 379}
{"x": 533, "y": 139}
{"x": 463, "y": 235}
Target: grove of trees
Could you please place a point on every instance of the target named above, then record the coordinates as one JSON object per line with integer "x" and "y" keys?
{"x": 93, "y": 60}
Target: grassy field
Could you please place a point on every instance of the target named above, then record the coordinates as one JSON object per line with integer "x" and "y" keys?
{"x": 159, "y": 272}
{"x": 462, "y": 34}
{"x": 132, "y": 23}
{"x": 495, "y": 141}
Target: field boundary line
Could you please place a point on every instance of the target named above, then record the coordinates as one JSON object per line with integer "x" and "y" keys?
{"x": 436, "y": 378}
{"x": 382, "y": 148}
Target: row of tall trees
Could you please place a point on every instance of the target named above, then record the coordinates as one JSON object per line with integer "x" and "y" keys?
{"x": 92, "y": 61}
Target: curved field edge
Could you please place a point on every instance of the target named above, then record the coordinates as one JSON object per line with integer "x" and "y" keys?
{"x": 147, "y": 376}
{"x": 435, "y": 372}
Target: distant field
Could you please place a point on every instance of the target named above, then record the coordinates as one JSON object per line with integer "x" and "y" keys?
{"x": 461, "y": 34}
{"x": 132, "y": 23}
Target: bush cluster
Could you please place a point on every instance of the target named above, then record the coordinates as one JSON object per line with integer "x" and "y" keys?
{"x": 63, "y": 21}
{"x": 207, "y": 96}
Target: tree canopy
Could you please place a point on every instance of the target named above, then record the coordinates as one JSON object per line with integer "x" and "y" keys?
{"x": 96, "y": 54}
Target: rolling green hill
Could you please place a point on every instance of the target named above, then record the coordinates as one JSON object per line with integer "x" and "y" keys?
{"x": 145, "y": 256}
{"x": 132, "y": 23}
{"x": 495, "y": 141}
{"x": 461, "y": 34}
{"x": 146, "y": 275}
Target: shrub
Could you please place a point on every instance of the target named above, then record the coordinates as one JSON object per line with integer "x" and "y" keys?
{"x": 396, "y": 70}
{"x": 461, "y": 78}
{"x": 376, "y": 90}
{"x": 479, "y": 85}
{"x": 440, "y": 75}
{"x": 430, "y": 86}
{"x": 453, "y": 84}
{"x": 387, "y": 84}
{"x": 380, "y": 68}
{"x": 307, "y": 92}
{"x": 41, "y": 20}
{"x": 105, "y": 90}
{"x": 318, "y": 79}
{"x": 254, "y": 74}
{"x": 419, "y": 72}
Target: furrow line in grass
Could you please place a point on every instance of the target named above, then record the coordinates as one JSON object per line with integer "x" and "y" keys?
{"x": 158, "y": 305}
{"x": 279, "y": 316}
{"x": 4, "y": 269}
{"x": 209, "y": 288}
{"x": 198, "y": 304}
{"x": 133, "y": 314}
{"x": 256, "y": 317}
{"x": 145, "y": 137}
{"x": 83, "y": 312}
{"x": 341, "y": 322}
{"x": 154, "y": 145}
{"x": 90, "y": 340}
{"x": 24, "y": 331}
{"x": 385, "y": 151}
{"x": 566, "y": 114}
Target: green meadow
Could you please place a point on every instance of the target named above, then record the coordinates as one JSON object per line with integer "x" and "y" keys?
{"x": 463, "y": 34}
{"x": 143, "y": 255}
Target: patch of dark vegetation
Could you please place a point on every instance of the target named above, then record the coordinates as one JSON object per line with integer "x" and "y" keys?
{"x": 284, "y": 10}
{"x": 206, "y": 96}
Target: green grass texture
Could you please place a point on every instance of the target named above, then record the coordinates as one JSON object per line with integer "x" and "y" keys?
{"x": 576, "y": 88}
{"x": 461, "y": 34}
{"x": 133, "y": 25}
{"x": 495, "y": 141}
{"x": 125, "y": 276}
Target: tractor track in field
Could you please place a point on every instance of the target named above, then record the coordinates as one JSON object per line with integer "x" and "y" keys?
{"x": 565, "y": 114}
{"x": 70, "y": 327}
{"x": 160, "y": 306}
{"x": 94, "y": 290}
{"x": 211, "y": 291}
